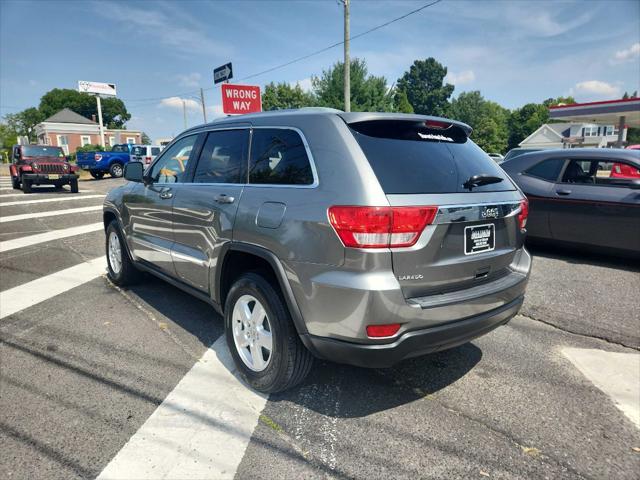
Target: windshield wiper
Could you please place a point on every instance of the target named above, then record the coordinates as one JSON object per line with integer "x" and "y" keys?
{"x": 479, "y": 180}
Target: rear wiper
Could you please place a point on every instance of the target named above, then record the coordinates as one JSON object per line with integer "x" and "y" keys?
{"x": 479, "y": 180}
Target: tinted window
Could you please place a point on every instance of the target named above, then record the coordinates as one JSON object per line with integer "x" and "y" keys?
{"x": 278, "y": 156}
{"x": 120, "y": 148}
{"x": 408, "y": 157}
{"x": 139, "y": 151}
{"x": 223, "y": 158}
{"x": 155, "y": 151}
{"x": 601, "y": 172}
{"x": 171, "y": 166}
{"x": 547, "y": 169}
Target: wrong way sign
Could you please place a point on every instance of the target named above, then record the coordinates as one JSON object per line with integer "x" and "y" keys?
{"x": 238, "y": 99}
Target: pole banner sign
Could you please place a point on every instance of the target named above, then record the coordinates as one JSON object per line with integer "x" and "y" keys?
{"x": 97, "y": 88}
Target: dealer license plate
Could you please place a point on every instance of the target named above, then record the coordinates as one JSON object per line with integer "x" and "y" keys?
{"x": 479, "y": 238}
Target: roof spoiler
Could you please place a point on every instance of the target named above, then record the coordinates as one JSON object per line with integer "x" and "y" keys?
{"x": 435, "y": 123}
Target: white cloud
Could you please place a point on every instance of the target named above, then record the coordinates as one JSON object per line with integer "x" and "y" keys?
{"x": 305, "y": 84}
{"x": 596, "y": 88}
{"x": 177, "y": 102}
{"x": 189, "y": 80}
{"x": 466, "y": 76}
{"x": 627, "y": 54}
{"x": 215, "y": 111}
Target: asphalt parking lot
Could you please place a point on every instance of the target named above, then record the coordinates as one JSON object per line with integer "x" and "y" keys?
{"x": 100, "y": 381}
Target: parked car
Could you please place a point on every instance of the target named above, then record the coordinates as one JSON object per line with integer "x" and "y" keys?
{"x": 145, "y": 153}
{"x": 588, "y": 197}
{"x": 100, "y": 163}
{"x": 633, "y": 147}
{"x": 361, "y": 238}
{"x": 515, "y": 152}
{"x": 498, "y": 158}
{"x": 33, "y": 165}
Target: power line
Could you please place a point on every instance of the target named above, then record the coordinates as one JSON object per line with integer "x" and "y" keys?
{"x": 304, "y": 57}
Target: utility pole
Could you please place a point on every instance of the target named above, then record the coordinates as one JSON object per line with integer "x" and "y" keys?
{"x": 347, "y": 61}
{"x": 100, "y": 120}
{"x": 204, "y": 109}
{"x": 184, "y": 113}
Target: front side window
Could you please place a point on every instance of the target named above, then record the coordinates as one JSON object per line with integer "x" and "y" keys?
{"x": 278, "y": 156}
{"x": 223, "y": 158}
{"x": 170, "y": 168}
{"x": 547, "y": 169}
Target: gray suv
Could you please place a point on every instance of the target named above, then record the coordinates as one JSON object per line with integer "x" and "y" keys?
{"x": 360, "y": 238}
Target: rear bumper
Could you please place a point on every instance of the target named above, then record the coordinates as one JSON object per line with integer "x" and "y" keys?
{"x": 45, "y": 178}
{"x": 412, "y": 343}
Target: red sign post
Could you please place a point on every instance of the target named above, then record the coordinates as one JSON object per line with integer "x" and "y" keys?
{"x": 237, "y": 99}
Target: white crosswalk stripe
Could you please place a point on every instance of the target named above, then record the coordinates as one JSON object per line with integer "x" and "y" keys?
{"x": 11, "y": 195}
{"x": 56, "y": 199}
{"x": 26, "y": 295}
{"x": 201, "y": 429}
{"x": 54, "y": 213}
{"x": 49, "y": 236}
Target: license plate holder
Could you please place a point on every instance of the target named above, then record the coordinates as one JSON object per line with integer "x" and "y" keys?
{"x": 479, "y": 238}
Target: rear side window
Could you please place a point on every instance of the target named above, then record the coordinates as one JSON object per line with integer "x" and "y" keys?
{"x": 223, "y": 158}
{"x": 155, "y": 151}
{"x": 407, "y": 157}
{"x": 278, "y": 156}
{"x": 547, "y": 169}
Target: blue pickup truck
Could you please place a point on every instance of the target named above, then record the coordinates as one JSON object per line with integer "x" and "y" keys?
{"x": 99, "y": 163}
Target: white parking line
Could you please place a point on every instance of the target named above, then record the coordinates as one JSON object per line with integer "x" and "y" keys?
{"x": 31, "y": 293}
{"x": 56, "y": 199}
{"x": 201, "y": 429}
{"x": 49, "y": 236}
{"x": 54, "y": 213}
{"x": 616, "y": 374}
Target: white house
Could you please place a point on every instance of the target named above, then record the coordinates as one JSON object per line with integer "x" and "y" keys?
{"x": 572, "y": 135}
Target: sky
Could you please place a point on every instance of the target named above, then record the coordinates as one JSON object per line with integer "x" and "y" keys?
{"x": 160, "y": 52}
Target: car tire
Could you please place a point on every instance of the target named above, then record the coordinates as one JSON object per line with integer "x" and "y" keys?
{"x": 288, "y": 362}
{"x": 74, "y": 186}
{"x": 26, "y": 185}
{"x": 15, "y": 183}
{"x": 116, "y": 170}
{"x": 97, "y": 175}
{"x": 120, "y": 267}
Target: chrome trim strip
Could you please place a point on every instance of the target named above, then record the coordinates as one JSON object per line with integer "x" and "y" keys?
{"x": 474, "y": 212}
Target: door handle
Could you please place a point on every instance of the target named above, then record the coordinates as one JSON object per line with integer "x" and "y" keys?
{"x": 166, "y": 194}
{"x": 224, "y": 198}
{"x": 562, "y": 191}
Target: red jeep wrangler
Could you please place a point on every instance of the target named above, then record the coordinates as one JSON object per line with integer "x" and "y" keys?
{"x": 41, "y": 165}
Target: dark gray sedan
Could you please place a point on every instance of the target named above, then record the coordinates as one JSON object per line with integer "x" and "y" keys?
{"x": 587, "y": 196}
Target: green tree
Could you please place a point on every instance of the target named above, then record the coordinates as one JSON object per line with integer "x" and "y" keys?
{"x": 282, "y": 96}
{"x": 114, "y": 111}
{"x": 401, "y": 102}
{"x": 425, "y": 89}
{"x": 633, "y": 136}
{"x": 488, "y": 120}
{"x": 8, "y": 138}
{"x": 144, "y": 138}
{"x": 23, "y": 123}
{"x": 525, "y": 120}
{"x": 368, "y": 93}
{"x": 552, "y": 102}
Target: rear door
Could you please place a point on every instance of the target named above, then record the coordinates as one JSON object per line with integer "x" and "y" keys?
{"x": 593, "y": 206}
{"x": 204, "y": 209}
{"x": 475, "y": 234}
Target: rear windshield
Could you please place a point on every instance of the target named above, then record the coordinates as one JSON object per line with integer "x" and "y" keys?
{"x": 408, "y": 157}
{"x": 139, "y": 151}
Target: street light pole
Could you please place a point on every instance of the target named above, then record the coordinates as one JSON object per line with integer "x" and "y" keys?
{"x": 347, "y": 61}
{"x": 204, "y": 109}
{"x": 184, "y": 112}
{"x": 100, "y": 120}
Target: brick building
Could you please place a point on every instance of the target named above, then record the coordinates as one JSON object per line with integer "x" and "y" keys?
{"x": 69, "y": 130}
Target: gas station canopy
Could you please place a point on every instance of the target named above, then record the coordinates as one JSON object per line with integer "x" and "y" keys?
{"x": 611, "y": 112}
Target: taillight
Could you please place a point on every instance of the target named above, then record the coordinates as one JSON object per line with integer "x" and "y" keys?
{"x": 387, "y": 330}
{"x": 380, "y": 227}
{"x": 524, "y": 214}
{"x": 437, "y": 124}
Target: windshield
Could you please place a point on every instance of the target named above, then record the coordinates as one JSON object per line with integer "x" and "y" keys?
{"x": 39, "y": 151}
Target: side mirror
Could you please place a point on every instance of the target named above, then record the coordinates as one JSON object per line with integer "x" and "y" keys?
{"x": 134, "y": 172}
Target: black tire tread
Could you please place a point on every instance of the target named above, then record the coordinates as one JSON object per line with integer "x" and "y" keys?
{"x": 129, "y": 274}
